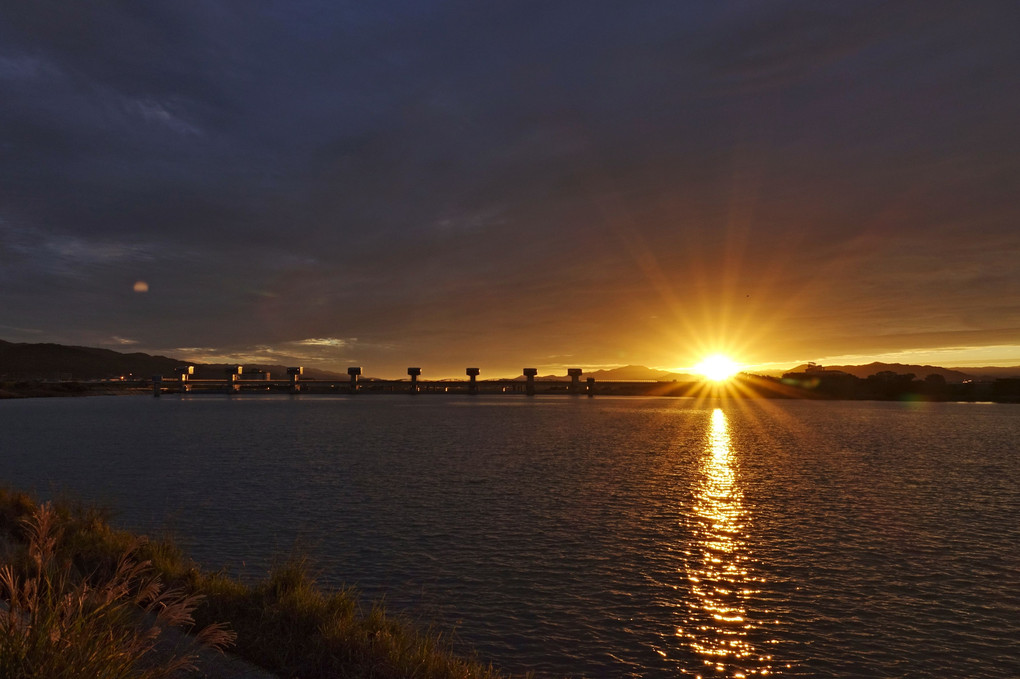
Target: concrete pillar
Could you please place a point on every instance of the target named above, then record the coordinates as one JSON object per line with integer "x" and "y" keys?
{"x": 472, "y": 374}
{"x": 529, "y": 387}
{"x": 354, "y": 372}
{"x": 233, "y": 376}
{"x": 575, "y": 380}
{"x": 295, "y": 374}
{"x": 591, "y": 387}
{"x": 414, "y": 373}
{"x": 157, "y": 385}
{"x": 183, "y": 372}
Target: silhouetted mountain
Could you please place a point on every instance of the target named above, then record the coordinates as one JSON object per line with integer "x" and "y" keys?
{"x": 20, "y": 361}
{"x": 991, "y": 372}
{"x": 277, "y": 372}
{"x": 919, "y": 371}
{"x": 637, "y": 373}
{"x": 628, "y": 373}
{"x": 56, "y": 361}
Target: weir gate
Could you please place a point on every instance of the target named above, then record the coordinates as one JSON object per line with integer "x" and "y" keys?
{"x": 235, "y": 381}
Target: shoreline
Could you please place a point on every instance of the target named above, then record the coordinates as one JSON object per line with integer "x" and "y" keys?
{"x": 1000, "y": 391}
{"x": 285, "y": 624}
{"x": 17, "y": 390}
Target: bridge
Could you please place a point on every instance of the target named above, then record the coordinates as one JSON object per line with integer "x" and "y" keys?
{"x": 235, "y": 381}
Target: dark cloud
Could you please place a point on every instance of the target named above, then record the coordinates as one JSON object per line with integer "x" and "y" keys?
{"x": 463, "y": 181}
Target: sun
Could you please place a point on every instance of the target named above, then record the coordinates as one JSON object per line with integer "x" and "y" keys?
{"x": 717, "y": 368}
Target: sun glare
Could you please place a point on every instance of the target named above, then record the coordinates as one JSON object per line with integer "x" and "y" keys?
{"x": 717, "y": 368}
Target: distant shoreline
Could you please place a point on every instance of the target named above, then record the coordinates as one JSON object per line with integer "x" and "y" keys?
{"x": 999, "y": 391}
{"x": 18, "y": 390}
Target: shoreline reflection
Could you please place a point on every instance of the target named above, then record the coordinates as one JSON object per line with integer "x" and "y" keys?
{"x": 716, "y": 627}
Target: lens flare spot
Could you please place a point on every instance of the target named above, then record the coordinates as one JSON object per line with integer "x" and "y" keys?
{"x": 141, "y": 286}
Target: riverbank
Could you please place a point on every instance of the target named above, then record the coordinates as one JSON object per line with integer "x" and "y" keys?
{"x": 10, "y": 390}
{"x": 808, "y": 387}
{"x": 284, "y": 623}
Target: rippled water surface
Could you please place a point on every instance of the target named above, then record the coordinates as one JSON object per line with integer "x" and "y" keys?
{"x": 590, "y": 537}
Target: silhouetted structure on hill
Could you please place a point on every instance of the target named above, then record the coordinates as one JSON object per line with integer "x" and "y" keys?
{"x": 823, "y": 383}
{"x": 887, "y": 385}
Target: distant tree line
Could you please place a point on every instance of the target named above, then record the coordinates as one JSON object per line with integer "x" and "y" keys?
{"x": 891, "y": 386}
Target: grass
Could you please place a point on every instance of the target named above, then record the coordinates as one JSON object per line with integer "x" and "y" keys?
{"x": 284, "y": 623}
{"x": 61, "y": 621}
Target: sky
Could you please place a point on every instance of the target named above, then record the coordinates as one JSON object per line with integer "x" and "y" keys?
{"x": 513, "y": 184}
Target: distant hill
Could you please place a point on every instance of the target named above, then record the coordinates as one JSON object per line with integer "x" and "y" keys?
{"x": 277, "y": 372}
{"x": 20, "y": 361}
{"x": 57, "y": 361}
{"x": 638, "y": 373}
{"x": 920, "y": 371}
{"x": 628, "y": 373}
{"x": 991, "y": 372}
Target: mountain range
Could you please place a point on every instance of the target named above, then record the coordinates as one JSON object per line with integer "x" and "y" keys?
{"x": 23, "y": 361}
{"x": 627, "y": 373}
{"x": 952, "y": 375}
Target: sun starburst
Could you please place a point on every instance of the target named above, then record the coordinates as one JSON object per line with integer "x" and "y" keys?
{"x": 717, "y": 368}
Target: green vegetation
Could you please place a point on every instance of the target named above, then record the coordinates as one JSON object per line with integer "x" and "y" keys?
{"x": 60, "y": 620}
{"x": 288, "y": 625}
{"x": 284, "y": 623}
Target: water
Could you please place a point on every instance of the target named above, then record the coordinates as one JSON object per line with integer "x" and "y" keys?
{"x": 602, "y": 537}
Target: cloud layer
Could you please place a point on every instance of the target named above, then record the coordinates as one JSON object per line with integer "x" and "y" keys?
{"x": 464, "y": 183}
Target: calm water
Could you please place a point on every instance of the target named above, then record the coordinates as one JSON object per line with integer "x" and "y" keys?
{"x": 590, "y": 537}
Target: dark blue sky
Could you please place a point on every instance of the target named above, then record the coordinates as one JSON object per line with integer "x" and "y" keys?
{"x": 509, "y": 184}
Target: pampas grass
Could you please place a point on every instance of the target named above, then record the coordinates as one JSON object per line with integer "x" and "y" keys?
{"x": 59, "y": 623}
{"x": 291, "y": 626}
{"x": 284, "y": 623}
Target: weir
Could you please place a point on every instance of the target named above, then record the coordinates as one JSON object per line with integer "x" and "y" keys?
{"x": 529, "y": 374}
{"x": 233, "y": 377}
{"x": 183, "y": 373}
{"x": 295, "y": 379}
{"x": 231, "y": 382}
{"x": 575, "y": 380}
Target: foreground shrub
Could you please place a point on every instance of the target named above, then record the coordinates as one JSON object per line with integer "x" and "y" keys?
{"x": 284, "y": 623}
{"x": 60, "y": 623}
{"x": 289, "y": 625}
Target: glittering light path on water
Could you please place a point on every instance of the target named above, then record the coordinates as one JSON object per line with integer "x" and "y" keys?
{"x": 716, "y": 626}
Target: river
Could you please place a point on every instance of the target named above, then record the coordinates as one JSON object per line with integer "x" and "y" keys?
{"x": 606, "y": 537}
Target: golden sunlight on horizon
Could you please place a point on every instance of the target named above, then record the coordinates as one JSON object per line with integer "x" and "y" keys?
{"x": 717, "y": 367}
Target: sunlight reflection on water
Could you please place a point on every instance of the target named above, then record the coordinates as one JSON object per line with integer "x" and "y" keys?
{"x": 716, "y": 626}
{"x": 608, "y": 537}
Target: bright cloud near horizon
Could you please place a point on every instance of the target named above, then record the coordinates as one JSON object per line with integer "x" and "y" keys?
{"x": 469, "y": 184}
